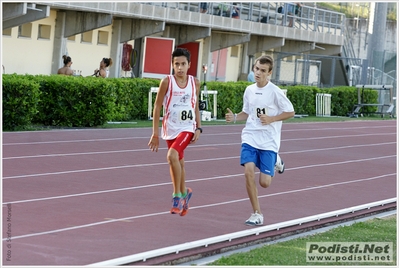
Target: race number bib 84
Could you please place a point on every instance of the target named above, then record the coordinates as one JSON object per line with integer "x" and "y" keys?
{"x": 186, "y": 115}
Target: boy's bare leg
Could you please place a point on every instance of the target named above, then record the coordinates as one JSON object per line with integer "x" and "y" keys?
{"x": 252, "y": 190}
{"x": 174, "y": 169}
{"x": 182, "y": 177}
{"x": 265, "y": 180}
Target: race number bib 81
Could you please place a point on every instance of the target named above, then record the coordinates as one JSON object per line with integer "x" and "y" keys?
{"x": 259, "y": 111}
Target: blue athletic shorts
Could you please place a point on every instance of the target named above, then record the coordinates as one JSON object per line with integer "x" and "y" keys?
{"x": 264, "y": 160}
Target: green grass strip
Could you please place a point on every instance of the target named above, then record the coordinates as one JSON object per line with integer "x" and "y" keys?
{"x": 293, "y": 252}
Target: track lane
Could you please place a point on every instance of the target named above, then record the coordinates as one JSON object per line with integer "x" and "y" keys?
{"x": 124, "y": 220}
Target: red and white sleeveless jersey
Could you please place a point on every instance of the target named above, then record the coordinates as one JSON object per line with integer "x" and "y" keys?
{"x": 179, "y": 103}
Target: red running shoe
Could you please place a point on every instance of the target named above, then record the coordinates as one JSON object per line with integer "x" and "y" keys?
{"x": 177, "y": 205}
{"x": 185, "y": 201}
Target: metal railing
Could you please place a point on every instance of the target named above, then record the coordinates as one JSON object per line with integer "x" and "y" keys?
{"x": 352, "y": 64}
{"x": 308, "y": 18}
{"x": 378, "y": 77}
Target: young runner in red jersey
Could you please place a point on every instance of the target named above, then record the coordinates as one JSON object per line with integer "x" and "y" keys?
{"x": 181, "y": 124}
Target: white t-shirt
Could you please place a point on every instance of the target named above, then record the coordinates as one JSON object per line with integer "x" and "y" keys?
{"x": 268, "y": 100}
{"x": 179, "y": 104}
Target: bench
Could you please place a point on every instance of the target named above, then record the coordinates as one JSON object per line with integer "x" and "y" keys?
{"x": 389, "y": 106}
{"x": 357, "y": 109}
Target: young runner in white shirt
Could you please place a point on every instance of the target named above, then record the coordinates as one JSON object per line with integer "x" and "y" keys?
{"x": 264, "y": 108}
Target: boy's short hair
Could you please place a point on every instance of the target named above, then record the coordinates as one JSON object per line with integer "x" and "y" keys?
{"x": 181, "y": 52}
{"x": 265, "y": 60}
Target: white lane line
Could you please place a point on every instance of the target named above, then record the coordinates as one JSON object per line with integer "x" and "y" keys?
{"x": 341, "y": 136}
{"x": 63, "y": 141}
{"x": 196, "y": 180}
{"x": 214, "y": 134}
{"x": 114, "y": 167}
{"x": 196, "y": 207}
{"x": 190, "y": 147}
{"x": 119, "y": 189}
{"x": 135, "y": 166}
{"x": 111, "y": 152}
{"x": 370, "y": 122}
{"x": 338, "y": 148}
{"x": 346, "y": 162}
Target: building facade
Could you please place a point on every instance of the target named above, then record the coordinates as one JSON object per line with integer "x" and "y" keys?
{"x": 88, "y": 32}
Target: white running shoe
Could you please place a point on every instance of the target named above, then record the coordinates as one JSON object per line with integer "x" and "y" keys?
{"x": 279, "y": 165}
{"x": 255, "y": 219}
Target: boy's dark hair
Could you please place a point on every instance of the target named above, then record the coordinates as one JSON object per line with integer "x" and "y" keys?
{"x": 181, "y": 52}
{"x": 265, "y": 60}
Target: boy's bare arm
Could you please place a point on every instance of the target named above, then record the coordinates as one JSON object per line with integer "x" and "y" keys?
{"x": 265, "y": 119}
{"x": 156, "y": 114}
{"x": 197, "y": 113}
{"x": 232, "y": 117}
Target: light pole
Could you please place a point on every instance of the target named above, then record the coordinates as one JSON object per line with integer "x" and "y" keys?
{"x": 377, "y": 40}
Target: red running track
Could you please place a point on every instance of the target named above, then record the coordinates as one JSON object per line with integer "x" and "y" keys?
{"x": 76, "y": 197}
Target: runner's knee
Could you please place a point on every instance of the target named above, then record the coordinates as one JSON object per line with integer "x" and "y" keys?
{"x": 172, "y": 155}
{"x": 249, "y": 175}
{"x": 265, "y": 180}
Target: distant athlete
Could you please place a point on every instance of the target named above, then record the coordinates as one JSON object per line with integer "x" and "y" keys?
{"x": 181, "y": 124}
{"x": 264, "y": 108}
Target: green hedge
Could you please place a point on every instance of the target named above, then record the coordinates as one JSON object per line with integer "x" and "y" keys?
{"x": 89, "y": 101}
{"x": 21, "y": 98}
{"x": 344, "y": 98}
{"x": 74, "y": 101}
{"x": 230, "y": 95}
{"x": 303, "y": 98}
{"x": 131, "y": 98}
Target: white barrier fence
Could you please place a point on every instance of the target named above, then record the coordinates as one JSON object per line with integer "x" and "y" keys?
{"x": 207, "y": 115}
{"x": 323, "y": 104}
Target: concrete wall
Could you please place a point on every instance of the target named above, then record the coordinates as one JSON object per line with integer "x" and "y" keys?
{"x": 361, "y": 37}
{"x": 23, "y": 55}
{"x": 225, "y": 65}
{"x": 87, "y": 56}
{"x": 28, "y": 55}
{"x": 34, "y": 56}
